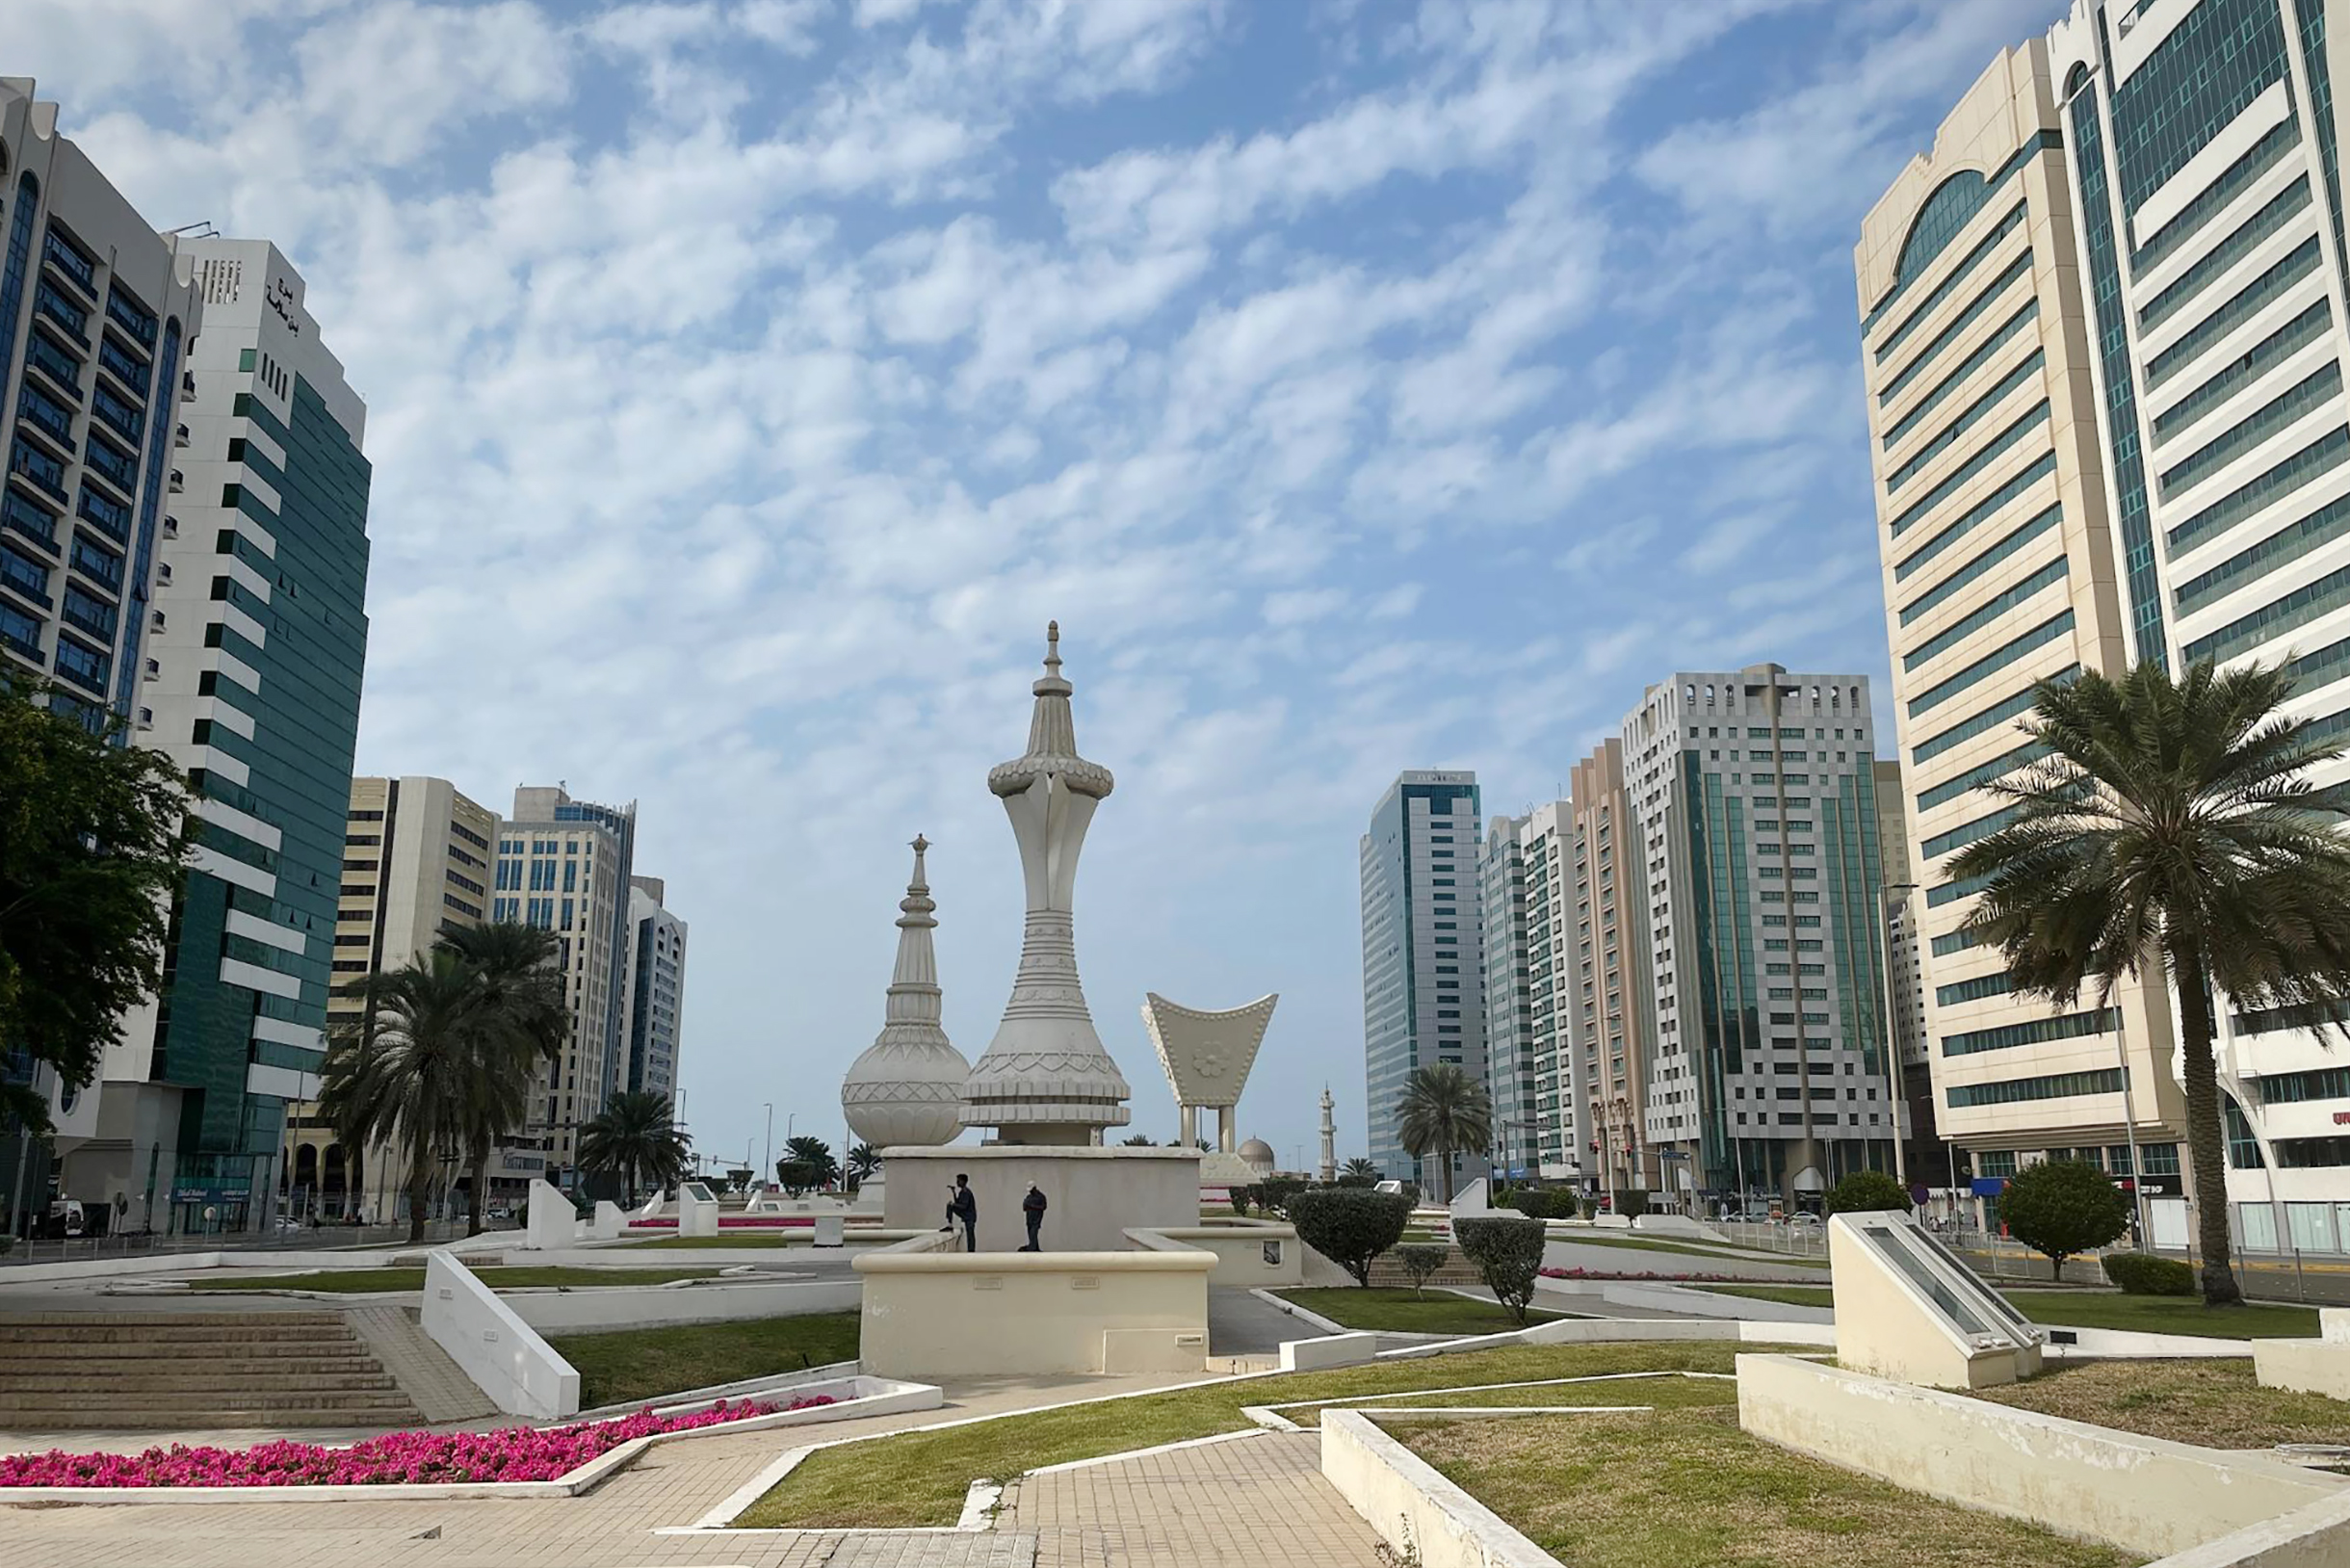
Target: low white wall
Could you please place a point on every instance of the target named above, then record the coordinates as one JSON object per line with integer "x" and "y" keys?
{"x": 1241, "y": 1250}
{"x": 2306, "y": 1366}
{"x": 930, "y": 1314}
{"x": 491, "y": 1344}
{"x": 1664, "y": 1297}
{"x": 1330, "y": 1350}
{"x": 1421, "y": 1516}
{"x": 1677, "y": 1225}
{"x": 1095, "y": 1195}
{"x": 590, "y": 1310}
{"x": 2140, "y": 1494}
{"x": 553, "y": 1220}
{"x": 1618, "y": 1330}
{"x": 609, "y": 1221}
{"x": 2318, "y": 1536}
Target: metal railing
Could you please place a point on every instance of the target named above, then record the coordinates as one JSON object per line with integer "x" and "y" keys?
{"x": 155, "y": 1244}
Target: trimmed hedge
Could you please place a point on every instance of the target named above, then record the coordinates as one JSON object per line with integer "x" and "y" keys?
{"x": 1508, "y": 1257}
{"x": 1349, "y": 1225}
{"x": 1419, "y": 1260}
{"x": 2142, "y": 1274}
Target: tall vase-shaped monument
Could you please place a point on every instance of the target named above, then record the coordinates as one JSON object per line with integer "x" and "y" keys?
{"x": 908, "y": 1086}
{"x": 1045, "y": 1078}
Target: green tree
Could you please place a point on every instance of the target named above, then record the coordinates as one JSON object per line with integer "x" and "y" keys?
{"x": 1508, "y": 1256}
{"x": 1441, "y": 1112}
{"x": 2063, "y": 1207}
{"x": 635, "y": 1134}
{"x": 2171, "y": 831}
{"x": 520, "y": 1020}
{"x": 1420, "y": 1260}
{"x": 93, "y": 837}
{"x": 1139, "y": 1140}
{"x": 1868, "y": 1191}
{"x": 1358, "y": 1172}
{"x": 401, "y": 1073}
{"x": 814, "y": 1155}
{"x": 1349, "y": 1225}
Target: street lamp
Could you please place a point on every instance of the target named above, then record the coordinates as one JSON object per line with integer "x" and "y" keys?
{"x": 767, "y": 1163}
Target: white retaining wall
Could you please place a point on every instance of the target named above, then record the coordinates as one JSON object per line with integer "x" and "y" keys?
{"x": 491, "y": 1344}
{"x": 590, "y": 1310}
{"x": 1424, "y": 1517}
{"x": 2140, "y": 1494}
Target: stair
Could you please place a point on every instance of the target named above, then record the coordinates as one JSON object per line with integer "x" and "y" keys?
{"x": 1457, "y": 1270}
{"x": 185, "y": 1369}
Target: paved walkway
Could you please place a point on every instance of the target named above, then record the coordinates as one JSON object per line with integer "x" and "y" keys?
{"x": 1255, "y": 1501}
{"x": 613, "y": 1526}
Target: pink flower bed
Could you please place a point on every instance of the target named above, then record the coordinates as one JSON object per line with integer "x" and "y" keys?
{"x": 1653, "y": 1279}
{"x": 508, "y": 1453}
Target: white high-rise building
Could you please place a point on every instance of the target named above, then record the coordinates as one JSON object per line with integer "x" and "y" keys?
{"x": 1423, "y": 994}
{"x": 1510, "y": 1055}
{"x": 1755, "y": 800}
{"x": 654, "y": 1022}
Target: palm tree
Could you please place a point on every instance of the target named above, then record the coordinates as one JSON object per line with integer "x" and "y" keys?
{"x": 634, "y": 1135}
{"x": 401, "y": 1073}
{"x": 862, "y": 1161}
{"x": 2171, "y": 831}
{"x": 520, "y": 1021}
{"x": 1443, "y": 1111}
{"x": 813, "y": 1156}
{"x": 1360, "y": 1168}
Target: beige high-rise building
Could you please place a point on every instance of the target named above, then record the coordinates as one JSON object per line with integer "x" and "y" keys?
{"x": 416, "y": 863}
{"x": 1905, "y": 975}
{"x": 2001, "y": 568}
{"x": 564, "y": 866}
{"x": 1610, "y": 969}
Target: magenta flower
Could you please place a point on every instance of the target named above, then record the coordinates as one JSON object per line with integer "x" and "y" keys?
{"x": 507, "y": 1454}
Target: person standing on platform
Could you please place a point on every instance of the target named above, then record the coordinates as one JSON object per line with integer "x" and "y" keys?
{"x": 1033, "y": 1206}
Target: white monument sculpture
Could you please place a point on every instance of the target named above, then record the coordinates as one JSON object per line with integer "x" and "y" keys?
{"x": 1045, "y": 1078}
{"x": 1207, "y": 1057}
{"x": 907, "y": 1087}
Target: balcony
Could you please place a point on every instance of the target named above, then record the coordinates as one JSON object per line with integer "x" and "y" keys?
{"x": 171, "y": 527}
{"x": 179, "y": 482}
{"x": 179, "y": 435}
{"x": 71, "y": 319}
{"x": 65, "y": 259}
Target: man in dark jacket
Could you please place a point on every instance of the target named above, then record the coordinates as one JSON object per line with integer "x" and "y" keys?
{"x": 1033, "y": 1207}
{"x": 964, "y": 1206}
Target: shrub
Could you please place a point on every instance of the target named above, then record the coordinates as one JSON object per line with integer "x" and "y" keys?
{"x": 1421, "y": 1260}
{"x": 1242, "y": 1197}
{"x": 1273, "y": 1193}
{"x": 1866, "y": 1191}
{"x": 1632, "y": 1204}
{"x": 2063, "y": 1207}
{"x": 1349, "y": 1225}
{"x": 1530, "y": 1203}
{"x": 1356, "y": 1178}
{"x": 1565, "y": 1205}
{"x": 1590, "y": 1207}
{"x": 2141, "y": 1273}
{"x": 1410, "y": 1193}
{"x": 1508, "y": 1256}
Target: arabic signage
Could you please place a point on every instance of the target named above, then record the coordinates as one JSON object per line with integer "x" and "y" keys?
{"x": 283, "y": 302}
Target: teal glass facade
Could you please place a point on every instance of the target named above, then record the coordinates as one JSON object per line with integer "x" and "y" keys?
{"x": 305, "y": 725}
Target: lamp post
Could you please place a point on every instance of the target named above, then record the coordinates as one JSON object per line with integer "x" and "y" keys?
{"x": 767, "y": 1161}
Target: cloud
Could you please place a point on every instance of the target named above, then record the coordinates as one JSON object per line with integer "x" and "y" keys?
{"x": 750, "y": 381}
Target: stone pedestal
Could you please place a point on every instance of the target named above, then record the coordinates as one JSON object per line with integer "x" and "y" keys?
{"x": 1095, "y": 1194}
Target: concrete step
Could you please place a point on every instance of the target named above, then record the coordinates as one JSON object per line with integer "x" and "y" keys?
{"x": 150, "y": 1403}
{"x": 220, "y": 1416}
{"x": 99, "y": 1331}
{"x": 116, "y": 1347}
{"x": 334, "y": 1363}
{"x": 256, "y": 1376}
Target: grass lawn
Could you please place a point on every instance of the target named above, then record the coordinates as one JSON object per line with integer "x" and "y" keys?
{"x": 2214, "y": 1403}
{"x": 2103, "y": 1308}
{"x": 919, "y": 1479}
{"x": 357, "y": 1281}
{"x": 1655, "y": 1393}
{"x": 641, "y": 1363}
{"x": 1720, "y": 1254}
{"x": 1686, "y": 1486}
{"x": 1402, "y": 1312}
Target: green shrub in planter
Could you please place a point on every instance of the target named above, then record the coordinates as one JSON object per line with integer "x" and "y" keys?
{"x": 1349, "y": 1225}
{"x": 1528, "y": 1202}
{"x": 1508, "y": 1257}
{"x": 1421, "y": 1260}
{"x": 1273, "y": 1193}
{"x": 2141, "y": 1273}
{"x": 1632, "y": 1205}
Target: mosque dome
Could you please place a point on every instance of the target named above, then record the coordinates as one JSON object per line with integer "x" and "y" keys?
{"x": 1260, "y": 1156}
{"x": 907, "y": 1088}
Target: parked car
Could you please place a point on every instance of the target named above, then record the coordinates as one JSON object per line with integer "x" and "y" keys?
{"x": 1803, "y": 1221}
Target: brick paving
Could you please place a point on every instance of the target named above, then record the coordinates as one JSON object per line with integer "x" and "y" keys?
{"x": 1257, "y": 1501}
{"x": 1147, "y": 1509}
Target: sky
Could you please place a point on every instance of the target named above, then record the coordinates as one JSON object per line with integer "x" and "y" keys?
{"x": 1363, "y": 386}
